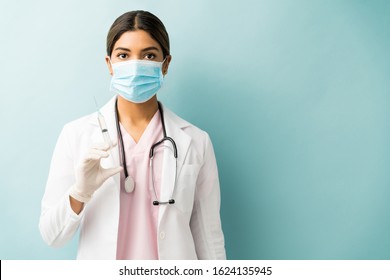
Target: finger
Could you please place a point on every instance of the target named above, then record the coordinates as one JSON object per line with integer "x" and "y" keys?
{"x": 95, "y": 154}
{"x": 113, "y": 143}
{"x": 111, "y": 171}
{"x": 100, "y": 146}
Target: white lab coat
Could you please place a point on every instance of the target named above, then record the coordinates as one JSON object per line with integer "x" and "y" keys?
{"x": 188, "y": 229}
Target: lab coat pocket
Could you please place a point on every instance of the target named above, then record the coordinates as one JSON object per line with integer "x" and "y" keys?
{"x": 185, "y": 187}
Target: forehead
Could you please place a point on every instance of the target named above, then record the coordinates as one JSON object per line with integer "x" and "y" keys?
{"x": 136, "y": 40}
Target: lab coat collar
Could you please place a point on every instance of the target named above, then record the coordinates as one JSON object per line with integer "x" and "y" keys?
{"x": 108, "y": 111}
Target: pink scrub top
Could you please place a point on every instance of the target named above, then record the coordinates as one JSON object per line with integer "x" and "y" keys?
{"x": 138, "y": 218}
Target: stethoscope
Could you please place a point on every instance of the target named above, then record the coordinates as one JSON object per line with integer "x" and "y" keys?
{"x": 129, "y": 181}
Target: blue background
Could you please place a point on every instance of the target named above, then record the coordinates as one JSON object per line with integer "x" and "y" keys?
{"x": 295, "y": 95}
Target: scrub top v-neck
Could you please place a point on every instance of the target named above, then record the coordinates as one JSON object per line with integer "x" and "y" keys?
{"x": 138, "y": 218}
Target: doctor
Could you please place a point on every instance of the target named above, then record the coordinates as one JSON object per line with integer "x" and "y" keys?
{"x": 129, "y": 200}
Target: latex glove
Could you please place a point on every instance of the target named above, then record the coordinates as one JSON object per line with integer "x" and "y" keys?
{"x": 90, "y": 175}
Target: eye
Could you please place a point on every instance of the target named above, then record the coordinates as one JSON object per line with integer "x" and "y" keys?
{"x": 150, "y": 56}
{"x": 122, "y": 55}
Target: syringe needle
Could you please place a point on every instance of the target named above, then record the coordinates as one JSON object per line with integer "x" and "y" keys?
{"x": 103, "y": 126}
{"x": 97, "y": 107}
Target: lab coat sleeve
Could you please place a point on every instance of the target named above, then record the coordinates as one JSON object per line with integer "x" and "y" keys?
{"x": 205, "y": 220}
{"x": 58, "y": 222}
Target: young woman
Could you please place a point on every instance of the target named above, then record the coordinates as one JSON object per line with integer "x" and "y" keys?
{"x": 144, "y": 185}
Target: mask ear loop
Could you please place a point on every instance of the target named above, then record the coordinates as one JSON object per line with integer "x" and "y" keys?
{"x": 162, "y": 64}
{"x": 112, "y": 69}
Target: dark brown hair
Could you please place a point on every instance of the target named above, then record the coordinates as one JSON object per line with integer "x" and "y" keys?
{"x": 138, "y": 20}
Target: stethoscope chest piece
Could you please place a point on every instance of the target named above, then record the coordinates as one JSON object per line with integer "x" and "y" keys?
{"x": 129, "y": 184}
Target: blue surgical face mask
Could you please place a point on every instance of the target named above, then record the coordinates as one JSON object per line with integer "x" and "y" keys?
{"x": 136, "y": 80}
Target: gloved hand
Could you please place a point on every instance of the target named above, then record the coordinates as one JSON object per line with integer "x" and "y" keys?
{"x": 90, "y": 175}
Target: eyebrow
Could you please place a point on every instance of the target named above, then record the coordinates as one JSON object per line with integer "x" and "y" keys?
{"x": 150, "y": 49}
{"x": 143, "y": 50}
{"x": 122, "y": 49}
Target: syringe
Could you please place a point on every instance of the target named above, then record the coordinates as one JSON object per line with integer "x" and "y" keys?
{"x": 103, "y": 127}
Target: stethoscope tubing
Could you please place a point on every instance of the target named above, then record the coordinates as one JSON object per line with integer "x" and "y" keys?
{"x": 151, "y": 152}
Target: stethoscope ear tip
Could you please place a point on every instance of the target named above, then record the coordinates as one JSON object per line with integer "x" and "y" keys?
{"x": 156, "y": 202}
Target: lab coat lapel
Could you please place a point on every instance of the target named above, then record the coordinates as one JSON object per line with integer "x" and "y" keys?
{"x": 174, "y": 130}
